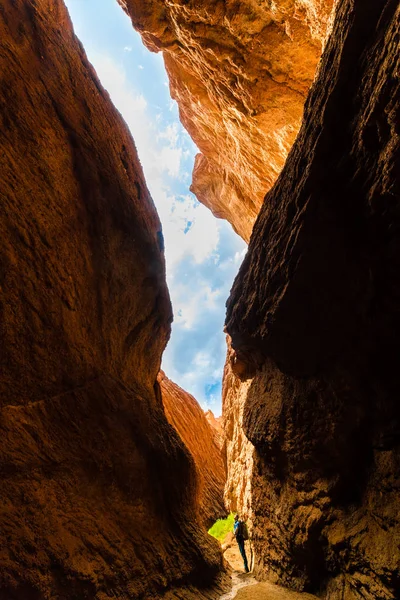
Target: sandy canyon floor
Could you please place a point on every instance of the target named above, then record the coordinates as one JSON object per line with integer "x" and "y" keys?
{"x": 246, "y": 587}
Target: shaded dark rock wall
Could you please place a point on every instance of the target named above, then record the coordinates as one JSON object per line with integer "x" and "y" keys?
{"x": 314, "y": 320}
{"x": 188, "y": 419}
{"x": 96, "y": 487}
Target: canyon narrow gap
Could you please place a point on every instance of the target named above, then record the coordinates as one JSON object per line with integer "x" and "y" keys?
{"x": 111, "y": 473}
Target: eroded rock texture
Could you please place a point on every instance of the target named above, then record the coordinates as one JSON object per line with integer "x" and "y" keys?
{"x": 96, "y": 486}
{"x": 314, "y": 321}
{"x": 188, "y": 419}
{"x": 240, "y": 72}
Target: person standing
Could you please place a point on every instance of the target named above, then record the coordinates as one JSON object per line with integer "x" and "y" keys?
{"x": 240, "y": 531}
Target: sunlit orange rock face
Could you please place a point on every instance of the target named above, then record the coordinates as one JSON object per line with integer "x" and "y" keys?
{"x": 97, "y": 490}
{"x": 188, "y": 419}
{"x": 240, "y": 72}
{"x": 216, "y": 425}
{"x": 314, "y": 320}
{"x": 239, "y": 451}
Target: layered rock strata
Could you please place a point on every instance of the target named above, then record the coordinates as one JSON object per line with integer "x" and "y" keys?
{"x": 314, "y": 321}
{"x": 240, "y": 72}
{"x": 188, "y": 419}
{"x": 97, "y": 489}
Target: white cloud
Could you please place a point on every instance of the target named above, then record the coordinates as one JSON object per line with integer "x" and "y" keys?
{"x": 195, "y": 356}
{"x": 170, "y": 133}
{"x": 189, "y": 303}
{"x": 170, "y": 160}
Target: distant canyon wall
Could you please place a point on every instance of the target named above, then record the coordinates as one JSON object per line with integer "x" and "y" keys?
{"x": 239, "y": 450}
{"x": 97, "y": 489}
{"x": 216, "y": 424}
{"x": 188, "y": 419}
{"x": 314, "y": 320}
{"x": 240, "y": 73}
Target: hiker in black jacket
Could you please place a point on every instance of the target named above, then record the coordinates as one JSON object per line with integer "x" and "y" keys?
{"x": 240, "y": 531}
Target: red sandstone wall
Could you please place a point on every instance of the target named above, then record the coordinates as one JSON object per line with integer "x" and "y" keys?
{"x": 239, "y": 451}
{"x": 188, "y": 419}
{"x": 216, "y": 424}
{"x": 240, "y": 72}
{"x": 314, "y": 321}
{"x": 97, "y": 490}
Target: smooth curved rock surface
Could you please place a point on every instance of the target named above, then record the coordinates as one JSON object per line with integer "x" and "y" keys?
{"x": 97, "y": 490}
{"x": 188, "y": 419}
{"x": 314, "y": 321}
{"x": 240, "y": 73}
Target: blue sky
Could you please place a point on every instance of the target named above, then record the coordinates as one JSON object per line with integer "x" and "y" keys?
{"x": 203, "y": 254}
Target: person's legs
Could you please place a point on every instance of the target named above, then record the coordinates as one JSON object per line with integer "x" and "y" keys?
{"x": 243, "y": 553}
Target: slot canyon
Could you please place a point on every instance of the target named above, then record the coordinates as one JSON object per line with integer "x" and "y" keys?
{"x": 111, "y": 473}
